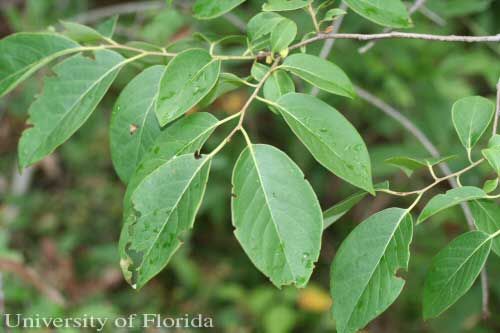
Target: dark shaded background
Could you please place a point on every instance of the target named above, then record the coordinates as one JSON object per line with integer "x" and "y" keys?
{"x": 60, "y": 221}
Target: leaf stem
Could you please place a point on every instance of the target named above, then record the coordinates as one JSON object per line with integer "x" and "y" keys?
{"x": 312, "y": 13}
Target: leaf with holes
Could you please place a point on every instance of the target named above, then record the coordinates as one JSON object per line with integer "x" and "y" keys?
{"x": 454, "y": 270}
{"x": 24, "y": 53}
{"x": 331, "y": 138}
{"x": 363, "y": 276}
{"x": 134, "y": 127}
{"x": 67, "y": 102}
{"x": 276, "y": 215}
{"x": 165, "y": 204}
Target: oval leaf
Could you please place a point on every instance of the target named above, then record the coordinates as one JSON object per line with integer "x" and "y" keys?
{"x": 492, "y": 155}
{"x": 189, "y": 77}
{"x": 454, "y": 270}
{"x": 283, "y": 35}
{"x": 262, "y": 24}
{"x": 209, "y": 9}
{"x": 134, "y": 126}
{"x": 185, "y": 136}
{"x": 320, "y": 73}
{"x": 23, "y": 53}
{"x": 487, "y": 218}
{"x": 67, "y": 102}
{"x": 164, "y": 208}
{"x": 276, "y": 215}
{"x": 471, "y": 117}
{"x": 331, "y": 138}
{"x": 451, "y": 198}
{"x": 389, "y": 13}
{"x": 363, "y": 277}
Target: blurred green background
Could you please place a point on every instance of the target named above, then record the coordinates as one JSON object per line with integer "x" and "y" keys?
{"x": 60, "y": 221}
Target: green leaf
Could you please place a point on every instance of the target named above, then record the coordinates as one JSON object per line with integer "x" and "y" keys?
{"x": 24, "y": 53}
{"x": 283, "y": 35}
{"x": 321, "y": 73}
{"x": 471, "y": 117}
{"x": 330, "y": 137}
{"x": 410, "y": 165}
{"x": 335, "y": 213}
{"x": 278, "y": 84}
{"x": 134, "y": 127}
{"x": 363, "y": 275}
{"x": 258, "y": 71}
{"x": 284, "y": 5}
{"x": 454, "y": 270}
{"x": 492, "y": 155}
{"x": 389, "y": 13}
{"x": 262, "y": 24}
{"x": 165, "y": 204}
{"x": 209, "y": 9}
{"x": 227, "y": 82}
{"x": 189, "y": 77}
{"x": 67, "y": 102}
{"x": 494, "y": 141}
{"x": 108, "y": 27}
{"x": 490, "y": 185}
{"x": 451, "y": 198}
{"x": 276, "y": 215}
{"x": 333, "y": 13}
{"x": 81, "y": 33}
{"x": 487, "y": 218}
{"x": 185, "y": 136}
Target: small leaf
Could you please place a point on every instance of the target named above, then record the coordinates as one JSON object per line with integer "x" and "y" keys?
{"x": 284, "y": 5}
{"x": 108, "y": 27}
{"x": 81, "y": 33}
{"x": 258, "y": 71}
{"x": 410, "y": 165}
{"x": 276, "y": 215}
{"x": 135, "y": 107}
{"x": 363, "y": 276}
{"x": 454, "y": 270}
{"x": 165, "y": 204}
{"x": 492, "y": 155}
{"x": 278, "y": 84}
{"x": 283, "y": 35}
{"x": 189, "y": 77}
{"x": 185, "y": 136}
{"x": 490, "y": 185}
{"x": 487, "y": 218}
{"x": 262, "y": 24}
{"x": 331, "y": 139}
{"x": 67, "y": 102}
{"x": 321, "y": 73}
{"x": 471, "y": 116}
{"x": 210, "y": 9}
{"x": 335, "y": 213}
{"x": 389, "y": 13}
{"x": 22, "y": 54}
{"x": 227, "y": 82}
{"x": 333, "y": 13}
{"x": 451, "y": 198}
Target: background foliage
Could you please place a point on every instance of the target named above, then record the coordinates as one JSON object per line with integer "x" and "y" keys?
{"x": 63, "y": 231}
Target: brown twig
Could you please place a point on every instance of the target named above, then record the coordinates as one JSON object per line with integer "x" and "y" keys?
{"x": 31, "y": 277}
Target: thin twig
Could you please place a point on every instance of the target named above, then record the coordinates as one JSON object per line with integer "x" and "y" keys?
{"x": 32, "y": 277}
{"x": 398, "y": 34}
{"x": 497, "y": 112}
{"x": 434, "y": 17}
{"x": 416, "y": 6}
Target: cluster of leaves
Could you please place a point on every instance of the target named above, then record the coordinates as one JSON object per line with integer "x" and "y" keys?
{"x": 157, "y": 144}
